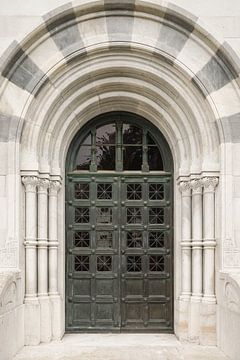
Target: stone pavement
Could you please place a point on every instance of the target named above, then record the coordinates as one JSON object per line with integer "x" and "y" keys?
{"x": 119, "y": 347}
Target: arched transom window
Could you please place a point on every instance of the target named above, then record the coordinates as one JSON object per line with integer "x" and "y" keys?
{"x": 118, "y": 146}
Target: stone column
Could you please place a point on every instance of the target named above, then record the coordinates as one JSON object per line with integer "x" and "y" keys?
{"x": 184, "y": 187}
{"x": 43, "y": 260}
{"x": 32, "y": 310}
{"x": 53, "y": 259}
{"x": 209, "y": 242}
{"x": 197, "y": 243}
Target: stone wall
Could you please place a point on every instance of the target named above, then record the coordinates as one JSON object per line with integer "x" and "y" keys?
{"x": 11, "y": 314}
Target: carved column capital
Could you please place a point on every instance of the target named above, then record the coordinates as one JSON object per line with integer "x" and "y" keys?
{"x": 30, "y": 183}
{"x": 43, "y": 185}
{"x": 210, "y": 183}
{"x": 55, "y": 186}
{"x": 184, "y": 187}
{"x": 196, "y": 186}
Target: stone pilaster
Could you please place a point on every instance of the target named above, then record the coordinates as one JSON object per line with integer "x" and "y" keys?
{"x": 208, "y": 309}
{"x": 196, "y": 186}
{"x": 209, "y": 242}
{"x": 53, "y": 259}
{"x": 185, "y": 189}
{"x": 32, "y": 309}
{"x": 45, "y": 316}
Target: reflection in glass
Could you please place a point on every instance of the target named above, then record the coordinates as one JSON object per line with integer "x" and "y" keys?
{"x": 106, "y": 134}
{"x": 106, "y": 157}
{"x": 154, "y": 158}
{"x": 150, "y": 140}
{"x": 132, "y": 134}
{"x": 125, "y": 143}
{"x": 132, "y": 158}
{"x": 87, "y": 140}
{"x": 83, "y": 159}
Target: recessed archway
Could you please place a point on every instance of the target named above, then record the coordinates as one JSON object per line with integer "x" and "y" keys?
{"x": 119, "y": 227}
{"x": 146, "y": 58}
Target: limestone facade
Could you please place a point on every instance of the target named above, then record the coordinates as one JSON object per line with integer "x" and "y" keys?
{"x": 177, "y": 65}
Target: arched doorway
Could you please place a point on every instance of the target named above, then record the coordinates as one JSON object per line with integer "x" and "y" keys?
{"x": 119, "y": 230}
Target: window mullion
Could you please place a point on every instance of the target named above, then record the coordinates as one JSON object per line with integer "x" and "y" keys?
{"x": 119, "y": 155}
{"x": 145, "y": 166}
{"x": 93, "y": 166}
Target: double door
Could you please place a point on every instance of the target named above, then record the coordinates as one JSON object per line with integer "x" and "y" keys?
{"x": 119, "y": 255}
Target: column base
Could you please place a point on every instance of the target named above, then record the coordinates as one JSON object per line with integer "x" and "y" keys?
{"x": 194, "y": 319}
{"x": 56, "y": 305}
{"x": 183, "y": 319}
{"x": 196, "y": 322}
{"x": 45, "y": 319}
{"x": 209, "y": 299}
{"x": 185, "y": 296}
{"x": 196, "y": 298}
{"x": 32, "y": 321}
{"x": 208, "y": 324}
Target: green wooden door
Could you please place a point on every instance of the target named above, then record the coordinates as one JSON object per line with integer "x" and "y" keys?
{"x": 119, "y": 253}
{"x": 119, "y": 231}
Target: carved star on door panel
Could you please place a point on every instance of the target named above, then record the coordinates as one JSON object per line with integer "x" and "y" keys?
{"x": 156, "y": 239}
{"x": 156, "y": 215}
{"x": 81, "y": 263}
{"x": 134, "y": 263}
{"x": 134, "y": 215}
{"x": 156, "y": 263}
{"x": 134, "y": 239}
{"x": 82, "y": 215}
{"x": 104, "y": 191}
{"x": 134, "y": 191}
{"x": 81, "y": 238}
{"x": 104, "y": 263}
{"x": 81, "y": 191}
{"x": 156, "y": 191}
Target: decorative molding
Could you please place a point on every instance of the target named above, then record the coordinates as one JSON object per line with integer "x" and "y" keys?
{"x": 9, "y": 290}
{"x": 231, "y": 254}
{"x": 55, "y": 186}
{"x": 184, "y": 187}
{"x": 43, "y": 185}
{"x": 210, "y": 183}
{"x": 232, "y": 292}
{"x": 196, "y": 186}
{"x": 30, "y": 183}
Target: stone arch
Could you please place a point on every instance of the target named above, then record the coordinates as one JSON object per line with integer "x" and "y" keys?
{"x": 86, "y": 58}
{"x": 173, "y": 37}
